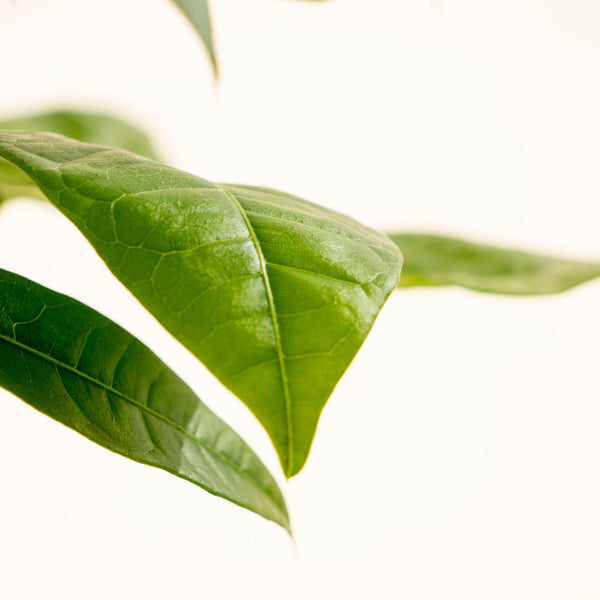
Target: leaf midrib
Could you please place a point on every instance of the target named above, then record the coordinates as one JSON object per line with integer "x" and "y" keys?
{"x": 142, "y": 407}
{"x": 271, "y": 300}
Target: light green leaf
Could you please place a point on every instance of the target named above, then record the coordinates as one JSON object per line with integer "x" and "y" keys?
{"x": 434, "y": 260}
{"x": 198, "y": 14}
{"x": 95, "y": 128}
{"x": 273, "y": 294}
{"x": 78, "y": 367}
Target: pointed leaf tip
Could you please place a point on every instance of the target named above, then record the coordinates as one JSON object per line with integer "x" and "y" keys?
{"x": 78, "y": 367}
{"x": 198, "y": 14}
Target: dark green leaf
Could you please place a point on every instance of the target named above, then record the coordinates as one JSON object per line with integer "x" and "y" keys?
{"x": 78, "y": 367}
{"x": 95, "y": 128}
{"x": 274, "y": 294}
{"x": 433, "y": 260}
{"x": 198, "y": 14}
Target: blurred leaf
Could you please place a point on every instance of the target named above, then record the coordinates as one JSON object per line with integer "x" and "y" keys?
{"x": 78, "y": 367}
{"x": 94, "y": 128}
{"x": 274, "y": 294}
{"x": 198, "y": 14}
{"x": 434, "y": 260}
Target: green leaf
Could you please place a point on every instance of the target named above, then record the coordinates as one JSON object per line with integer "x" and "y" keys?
{"x": 434, "y": 260}
{"x": 198, "y": 14}
{"x": 78, "y": 367}
{"x": 95, "y": 128}
{"x": 273, "y": 294}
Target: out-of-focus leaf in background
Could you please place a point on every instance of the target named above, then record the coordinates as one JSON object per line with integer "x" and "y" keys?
{"x": 94, "y": 128}
{"x": 435, "y": 260}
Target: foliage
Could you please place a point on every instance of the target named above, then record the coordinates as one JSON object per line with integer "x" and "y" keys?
{"x": 435, "y": 260}
{"x": 272, "y": 293}
{"x": 83, "y": 370}
{"x": 275, "y": 295}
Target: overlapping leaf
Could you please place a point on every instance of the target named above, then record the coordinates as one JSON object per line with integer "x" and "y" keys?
{"x": 80, "y": 368}
{"x": 274, "y": 294}
{"x": 95, "y": 128}
{"x": 434, "y": 260}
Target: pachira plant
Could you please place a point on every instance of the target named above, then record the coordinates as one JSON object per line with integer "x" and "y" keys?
{"x": 274, "y": 294}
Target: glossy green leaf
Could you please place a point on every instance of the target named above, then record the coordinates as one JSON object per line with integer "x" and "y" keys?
{"x": 274, "y": 294}
{"x": 198, "y": 14}
{"x": 434, "y": 260}
{"x": 78, "y": 367}
{"x": 94, "y": 128}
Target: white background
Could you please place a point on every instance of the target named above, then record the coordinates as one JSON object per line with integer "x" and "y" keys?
{"x": 459, "y": 456}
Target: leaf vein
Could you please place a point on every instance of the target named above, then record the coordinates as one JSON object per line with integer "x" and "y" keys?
{"x": 276, "y": 332}
{"x": 57, "y": 364}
